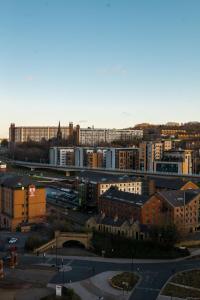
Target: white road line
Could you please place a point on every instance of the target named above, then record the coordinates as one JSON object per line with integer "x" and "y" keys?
{"x": 146, "y": 288}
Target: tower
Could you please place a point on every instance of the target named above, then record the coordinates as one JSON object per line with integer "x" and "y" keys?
{"x": 59, "y": 134}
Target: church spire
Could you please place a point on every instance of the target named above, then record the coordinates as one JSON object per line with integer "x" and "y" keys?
{"x": 59, "y": 134}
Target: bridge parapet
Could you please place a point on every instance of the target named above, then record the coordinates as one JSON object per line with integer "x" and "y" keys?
{"x": 46, "y": 246}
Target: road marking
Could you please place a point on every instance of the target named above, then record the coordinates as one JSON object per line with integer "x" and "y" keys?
{"x": 66, "y": 267}
{"x": 146, "y": 288}
{"x": 48, "y": 260}
{"x": 70, "y": 262}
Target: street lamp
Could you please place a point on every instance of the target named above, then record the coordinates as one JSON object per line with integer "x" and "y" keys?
{"x": 63, "y": 274}
{"x": 132, "y": 262}
{"x": 124, "y": 284}
{"x": 56, "y": 253}
{"x": 44, "y": 255}
{"x": 112, "y": 250}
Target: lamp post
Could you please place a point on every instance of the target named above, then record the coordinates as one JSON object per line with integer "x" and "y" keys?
{"x": 132, "y": 262}
{"x": 63, "y": 274}
{"x": 112, "y": 250}
{"x": 56, "y": 253}
{"x": 125, "y": 286}
{"x": 184, "y": 210}
{"x": 44, "y": 255}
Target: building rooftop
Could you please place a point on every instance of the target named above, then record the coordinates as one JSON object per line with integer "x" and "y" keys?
{"x": 114, "y": 194}
{"x": 118, "y": 222}
{"x": 179, "y": 197}
{"x": 110, "y": 221}
{"x": 167, "y": 183}
{"x": 16, "y": 181}
{"x": 107, "y": 178}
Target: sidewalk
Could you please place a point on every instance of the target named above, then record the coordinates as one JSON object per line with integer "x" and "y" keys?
{"x": 161, "y": 297}
{"x": 96, "y": 287}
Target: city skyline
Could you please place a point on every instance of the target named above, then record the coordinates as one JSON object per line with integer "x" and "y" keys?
{"x": 103, "y": 63}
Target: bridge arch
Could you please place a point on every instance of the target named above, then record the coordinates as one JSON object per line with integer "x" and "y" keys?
{"x": 62, "y": 238}
{"x": 73, "y": 244}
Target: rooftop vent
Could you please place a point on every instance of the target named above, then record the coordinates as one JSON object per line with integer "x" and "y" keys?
{"x": 103, "y": 179}
{"x": 180, "y": 199}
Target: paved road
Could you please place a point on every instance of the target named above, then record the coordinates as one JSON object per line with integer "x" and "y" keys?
{"x": 154, "y": 275}
{"x": 21, "y": 239}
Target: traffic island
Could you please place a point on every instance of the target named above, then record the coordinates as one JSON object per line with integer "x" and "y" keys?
{"x": 183, "y": 285}
{"x": 124, "y": 281}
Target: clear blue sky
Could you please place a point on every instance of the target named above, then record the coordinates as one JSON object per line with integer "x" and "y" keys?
{"x": 107, "y": 63}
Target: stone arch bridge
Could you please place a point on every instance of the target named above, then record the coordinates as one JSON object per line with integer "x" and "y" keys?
{"x": 63, "y": 237}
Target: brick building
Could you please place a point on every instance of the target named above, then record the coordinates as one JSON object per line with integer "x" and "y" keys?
{"x": 178, "y": 207}
{"x": 96, "y": 184}
{"x": 115, "y": 203}
{"x": 22, "y": 201}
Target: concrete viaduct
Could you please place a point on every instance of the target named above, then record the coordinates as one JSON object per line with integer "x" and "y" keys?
{"x": 69, "y": 169}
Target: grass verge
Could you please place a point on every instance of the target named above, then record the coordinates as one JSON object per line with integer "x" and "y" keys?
{"x": 189, "y": 278}
{"x": 180, "y": 292}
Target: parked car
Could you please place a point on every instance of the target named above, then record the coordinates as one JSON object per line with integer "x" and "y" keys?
{"x": 12, "y": 240}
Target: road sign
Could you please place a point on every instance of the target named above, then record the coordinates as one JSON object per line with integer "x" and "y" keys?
{"x": 59, "y": 290}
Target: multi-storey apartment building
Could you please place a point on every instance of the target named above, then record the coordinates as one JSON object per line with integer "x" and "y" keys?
{"x": 19, "y": 134}
{"x": 93, "y": 157}
{"x": 122, "y": 158}
{"x": 151, "y": 151}
{"x": 62, "y": 156}
{"x": 22, "y": 201}
{"x": 96, "y": 136}
{"x": 175, "y": 161}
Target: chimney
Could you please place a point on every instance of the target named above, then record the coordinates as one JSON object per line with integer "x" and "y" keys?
{"x": 131, "y": 220}
{"x": 116, "y": 218}
{"x": 103, "y": 215}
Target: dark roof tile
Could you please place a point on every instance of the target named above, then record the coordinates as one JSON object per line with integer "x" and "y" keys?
{"x": 114, "y": 194}
{"x": 178, "y": 198}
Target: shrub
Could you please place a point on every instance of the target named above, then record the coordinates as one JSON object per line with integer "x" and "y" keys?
{"x": 126, "y": 277}
{"x": 32, "y": 242}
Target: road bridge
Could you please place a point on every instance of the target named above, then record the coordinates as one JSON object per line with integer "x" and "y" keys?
{"x": 62, "y": 237}
{"x": 68, "y": 169}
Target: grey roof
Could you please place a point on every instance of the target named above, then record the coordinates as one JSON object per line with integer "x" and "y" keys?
{"x": 114, "y": 194}
{"x": 178, "y": 198}
{"x": 17, "y": 181}
{"x": 107, "y": 178}
{"x": 110, "y": 221}
{"x": 171, "y": 184}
